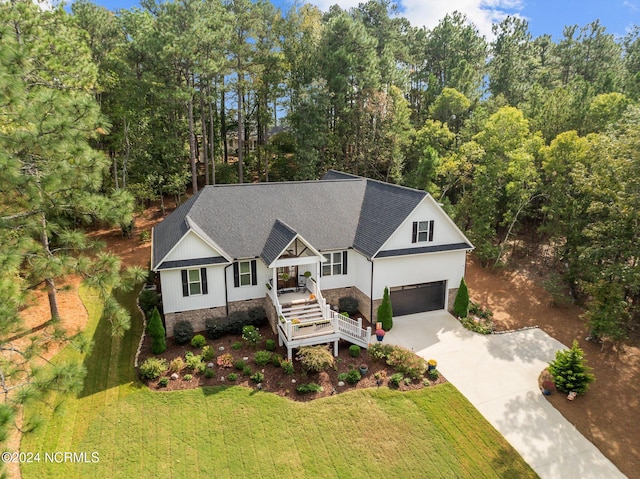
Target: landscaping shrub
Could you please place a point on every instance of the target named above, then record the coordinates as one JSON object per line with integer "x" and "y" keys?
{"x": 239, "y": 364}
{"x": 194, "y": 363}
{"x": 287, "y": 367}
{"x": 353, "y": 376}
{"x": 247, "y": 371}
{"x": 209, "y": 373}
{"x": 261, "y": 358}
{"x": 270, "y": 345}
{"x": 157, "y": 333}
{"x": 198, "y": 341}
{"x": 276, "y": 360}
{"x": 461, "y": 304}
{"x": 396, "y": 379}
{"x": 148, "y": 300}
{"x": 176, "y": 365}
{"x": 348, "y": 304}
{"x": 183, "y": 331}
{"x": 212, "y": 328}
{"x": 315, "y": 358}
{"x": 380, "y": 350}
{"x": 232, "y": 377}
{"x": 407, "y": 362}
{"x": 257, "y": 377}
{"x": 484, "y": 326}
{"x": 251, "y": 335}
{"x": 163, "y": 382}
{"x": 225, "y": 360}
{"x": 570, "y": 371}
{"x": 309, "y": 388}
{"x": 188, "y": 377}
{"x": 237, "y": 345}
{"x": 153, "y": 368}
{"x": 257, "y": 316}
{"x": 385, "y": 311}
{"x": 433, "y": 374}
{"x": 354, "y": 351}
{"x": 207, "y": 353}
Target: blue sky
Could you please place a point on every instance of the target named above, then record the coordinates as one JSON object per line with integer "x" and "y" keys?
{"x": 544, "y": 16}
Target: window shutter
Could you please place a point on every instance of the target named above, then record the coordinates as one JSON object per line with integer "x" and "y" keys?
{"x": 344, "y": 262}
{"x": 203, "y": 277}
{"x": 185, "y": 283}
{"x": 431, "y": 230}
{"x": 414, "y": 236}
{"x": 254, "y": 272}
{"x": 236, "y": 274}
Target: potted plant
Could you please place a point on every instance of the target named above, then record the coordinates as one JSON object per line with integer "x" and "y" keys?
{"x": 547, "y": 387}
{"x": 364, "y": 369}
{"x": 431, "y": 364}
{"x": 380, "y": 334}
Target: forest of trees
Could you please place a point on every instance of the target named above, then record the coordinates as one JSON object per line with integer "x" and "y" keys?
{"x": 518, "y": 137}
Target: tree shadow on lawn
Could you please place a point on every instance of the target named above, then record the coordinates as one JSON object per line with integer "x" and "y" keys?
{"x": 110, "y": 362}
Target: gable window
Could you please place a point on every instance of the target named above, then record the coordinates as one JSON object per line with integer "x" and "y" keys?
{"x": 422, "y": 231}
{"x": 194, "y": 282}
{"x": 335, "y": 264}
{"x": 245, "y": 273}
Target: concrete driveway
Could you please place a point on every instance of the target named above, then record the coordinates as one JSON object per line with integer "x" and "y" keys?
{"x": 498, "y": 374}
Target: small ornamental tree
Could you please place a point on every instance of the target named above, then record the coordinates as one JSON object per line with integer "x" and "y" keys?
{"x": 570, "y": 371}
{"x": 385, "y": 311}
{"x": 461, "y": 305}
{"x": 157, "y": 333}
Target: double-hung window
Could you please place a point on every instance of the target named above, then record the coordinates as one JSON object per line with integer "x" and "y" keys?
{"x": 245, "y": 273}
{"x": 335, "y": 264}
{"x": 422, "y": 231}
{"x": 194, "y": 282}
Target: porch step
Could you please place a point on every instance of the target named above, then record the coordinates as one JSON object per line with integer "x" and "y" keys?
{"x": 306, "y": 312}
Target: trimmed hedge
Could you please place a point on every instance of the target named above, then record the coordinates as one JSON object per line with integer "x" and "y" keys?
{"x": 183, "y": 331}
{"x": 348, "y": 304}
{"x": 232, "y": 324}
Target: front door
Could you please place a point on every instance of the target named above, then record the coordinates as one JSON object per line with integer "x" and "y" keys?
{"x": 287, "y": 277}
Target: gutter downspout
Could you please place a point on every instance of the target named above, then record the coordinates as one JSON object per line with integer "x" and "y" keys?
{"x": 371, "y": 295}
{"x": 226, "y": 293}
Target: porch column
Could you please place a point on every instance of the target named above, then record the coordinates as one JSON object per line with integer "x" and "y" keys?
{"x": 275, "y": 280}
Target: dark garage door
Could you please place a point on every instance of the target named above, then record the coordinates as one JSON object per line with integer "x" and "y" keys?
{"x": 418, "y": 298}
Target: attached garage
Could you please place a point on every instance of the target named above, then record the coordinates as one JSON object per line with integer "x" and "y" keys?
{"x": 418, "y": 298}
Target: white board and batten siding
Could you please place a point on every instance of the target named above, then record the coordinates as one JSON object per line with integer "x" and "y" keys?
{"x": 173, "y": 301}
{"x": 242, "y": 293}
{"x": 444, "y": 231}
{"x": 191, "y": 246}
{"x": 418, "y": 269}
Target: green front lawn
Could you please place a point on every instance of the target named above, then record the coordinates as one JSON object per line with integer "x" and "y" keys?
{"x": 236, "y": 432}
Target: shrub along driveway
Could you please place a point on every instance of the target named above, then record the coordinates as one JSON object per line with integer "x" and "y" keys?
{"x": 498, "y": 374}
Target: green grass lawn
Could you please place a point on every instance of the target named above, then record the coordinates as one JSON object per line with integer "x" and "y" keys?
{"x": 236, "y": 432}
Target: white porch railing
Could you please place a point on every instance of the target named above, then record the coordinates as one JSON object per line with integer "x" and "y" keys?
{"x": 351, "y": 329}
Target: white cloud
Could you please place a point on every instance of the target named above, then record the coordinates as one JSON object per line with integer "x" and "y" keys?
{"x": 483, "y": 13}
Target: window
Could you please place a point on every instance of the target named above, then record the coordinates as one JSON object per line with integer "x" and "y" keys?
{"x": 194, "y": 282}
{"x": 245, "y": 273}
{"x": 422, "y": 231}
{"x": 336, "y": 263}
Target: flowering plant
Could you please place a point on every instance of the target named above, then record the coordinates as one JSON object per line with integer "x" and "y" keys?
{"x": 432, "y": 362}
{"x": 380, "y": 332}
{"x": 225, "y": 360}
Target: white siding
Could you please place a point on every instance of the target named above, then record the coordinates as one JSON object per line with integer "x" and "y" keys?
{"x": 339, "y": 280}
{"x": 361, "y": 271}
{"x": 173, "y": 301}
{"x": 249, "y": 292}
{"x": 416, "y": 269}
{"x": 444, "y": 231}
{"x": 191, "y": 247}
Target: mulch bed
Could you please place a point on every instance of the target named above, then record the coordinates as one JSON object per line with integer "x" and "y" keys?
{"x": 275, "y": 379}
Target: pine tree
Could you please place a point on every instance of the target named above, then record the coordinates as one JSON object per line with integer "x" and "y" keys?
{"x": 570, "y": 371}
{"x": 461, "y": 305}
{"x": 157, "y": 332}
{"x": 385, "y": 311}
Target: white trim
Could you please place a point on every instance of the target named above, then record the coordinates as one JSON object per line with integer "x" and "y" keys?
{"x": 408, "y": 218}
{"x": 295, "y": 261}
{"x": 305, "y": 242}
{"x": 250, "y": 274}
{"x": 204, "y": 237}
{"x": 199, "y": 282}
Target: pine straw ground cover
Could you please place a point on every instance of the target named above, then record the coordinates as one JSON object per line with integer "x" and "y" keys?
{"x": 230, "y": 431}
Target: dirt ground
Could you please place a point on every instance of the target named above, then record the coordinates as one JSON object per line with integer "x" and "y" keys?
{"x": 606, "y": 415}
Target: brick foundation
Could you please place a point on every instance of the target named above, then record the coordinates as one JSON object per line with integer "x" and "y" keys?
{"x": 364, "y": 304}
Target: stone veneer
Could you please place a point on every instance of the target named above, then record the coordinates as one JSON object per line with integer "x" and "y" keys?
{"x": 453, "y": 293}
{"x": 197, "y": 317}
{"x": 333, "y": 297}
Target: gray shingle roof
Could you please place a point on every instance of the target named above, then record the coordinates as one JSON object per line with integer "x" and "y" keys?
{"x": 424, "y": 249}
{"x": 254, "y": 220}
{"x": 279, "y": 238}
